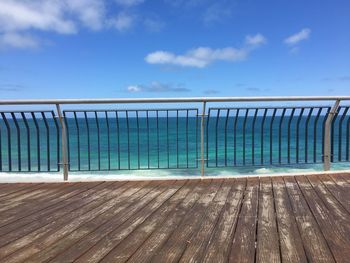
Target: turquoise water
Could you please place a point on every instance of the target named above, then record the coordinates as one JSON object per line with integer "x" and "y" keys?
{"x": 173, "y": 143}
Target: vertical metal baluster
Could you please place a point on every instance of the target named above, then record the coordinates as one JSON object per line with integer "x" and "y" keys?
{"x": 335, "y": 116}
{"x": 57, "y": 139}
{"x": 167, "y": 137}
{"x": 340, "y": 133}
{"x": 226, "y": 122}
{"x": 67, "y": 138}
{"x": 78, "y": 137}
{"x": 18, "y": 132}
{"x": 289, "y": 125}
{"x": 216, "y": 136}
{"x": 64, "y": 143}
{"x": 262, "y": 136}
{"x": 297, "y": 135}
{"x": 253, "y": 135}
{"x": 196, "y": 139}
{"x": 235, "y": 138}
{"x": 128, "y": 136}
{"x": 157, "y": 126}
{"x": 307, "y": 134}
{"x": 118, "y": 137}
{"x": 315, "y": 133}
{"x": 37, "y": 140}
{"x": 347, "y": 138}
{"x": 47, "y": 141}
{"x": 98, "y": 141}
{"x": 138, "y": 139}
{"x": 271, "y": 134}
{"x": 108, "y": 141}
{"x": 28, "y": 140}
{"x": 202, "y": 137}
{"x": 186, "y": 138}
{"x": 327, "y": 136}
{"x": 8, "y": 140}
{"x": 147, "y": 125}
{"x": 207, "y": 134}
{"x": 280, "y": 136}
{"x": 323, "y": 130}
{"x": 177, "y": 138}
{"x": 88, "y": 139}
{"x": 243, "y": 130}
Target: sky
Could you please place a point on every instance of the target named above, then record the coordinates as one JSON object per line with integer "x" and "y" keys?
{"x": 173, "y": 48}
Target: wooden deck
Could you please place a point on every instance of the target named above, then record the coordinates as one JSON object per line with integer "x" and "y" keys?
{"x": 271, "y": 219}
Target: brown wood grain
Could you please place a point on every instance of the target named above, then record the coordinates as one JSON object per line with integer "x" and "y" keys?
{"x": 251, "y": 219}
{"x": 244, "y": 241}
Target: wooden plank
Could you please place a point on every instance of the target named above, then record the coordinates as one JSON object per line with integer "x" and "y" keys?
{"x": 130, "y": 244}
{"x": 341, "y": 179}
{"x": 83, "y": 245}
{"x": 337, "y": 237}
{"x": 268, "y": 249}
{"x": 105, "y": 245}
{"x": 244, "y": 239}
{"x": 330, "y": 201}
{"x": 290, "y": 241}
{"x": 26, "y": 191}
{"x": 173, "y": 248}
{"x": 27, "y": 224}
{"x": 41, "y": 191}
{"x": 133, "y": 196}
{"x": 25, "y": 200}
{"x": 38, "y": 193}
{"x": 346, "y": 177}
{"x": 219, "y": 244}
{"x": 53, "y": 231}
{"x": 196, "y": 246}
{"x": 13, "y": 188}
{"x": 315, "y": 245}
{"x": 18, "y": 218}
{"x": 156, "y": 240}
{"x": 342, "y": 196}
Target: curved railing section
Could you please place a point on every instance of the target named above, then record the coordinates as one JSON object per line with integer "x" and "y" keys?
{"x": 201, "y": 135}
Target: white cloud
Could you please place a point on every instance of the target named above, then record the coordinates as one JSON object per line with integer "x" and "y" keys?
{"x": 203, "y": 56}
{"x": 216, "y": 13}
{"x": 20, "y": 41}
{"x": 129, "y": 3}
{"x": 156, "y": 86}
{"x": 298, "y": 37}
{"x": 255, "y": 40}
{"x": 90, "y": 12}
{"x": 134, "y": 88}
{"x": 122, "y": 22}
{"x": 24, "y": 18}
{"x": 18, "y": 18}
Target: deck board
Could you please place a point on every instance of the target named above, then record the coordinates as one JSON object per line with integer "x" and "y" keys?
{"x": 268, "y": 249}
{"x": 267, "y": 219}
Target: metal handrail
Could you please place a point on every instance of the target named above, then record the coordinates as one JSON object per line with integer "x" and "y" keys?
{"x": 202, "y": 100}
{"x": 172, "y": 100}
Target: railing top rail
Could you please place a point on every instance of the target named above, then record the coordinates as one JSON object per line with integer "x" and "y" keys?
{"x": 172, "y": 100}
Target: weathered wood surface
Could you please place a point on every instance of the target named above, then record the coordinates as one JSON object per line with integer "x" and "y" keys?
{"x": 267, "y": 219}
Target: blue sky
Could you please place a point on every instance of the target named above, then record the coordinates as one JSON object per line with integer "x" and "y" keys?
{"x": 164, "y": 48}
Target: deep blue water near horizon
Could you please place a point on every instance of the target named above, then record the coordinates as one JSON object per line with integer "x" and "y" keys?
{"x": 174, "y": 143}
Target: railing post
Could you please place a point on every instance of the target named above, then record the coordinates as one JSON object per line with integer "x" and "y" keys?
{"x": 64, "y": 161}
{"x": 202, "y": 138}
{"x": 327, "y": 137}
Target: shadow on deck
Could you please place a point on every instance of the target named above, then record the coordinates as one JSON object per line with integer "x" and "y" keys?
{"x": 267, "y": 219}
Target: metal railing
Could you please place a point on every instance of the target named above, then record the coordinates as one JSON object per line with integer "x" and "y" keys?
{"x": 169, "y": 138}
